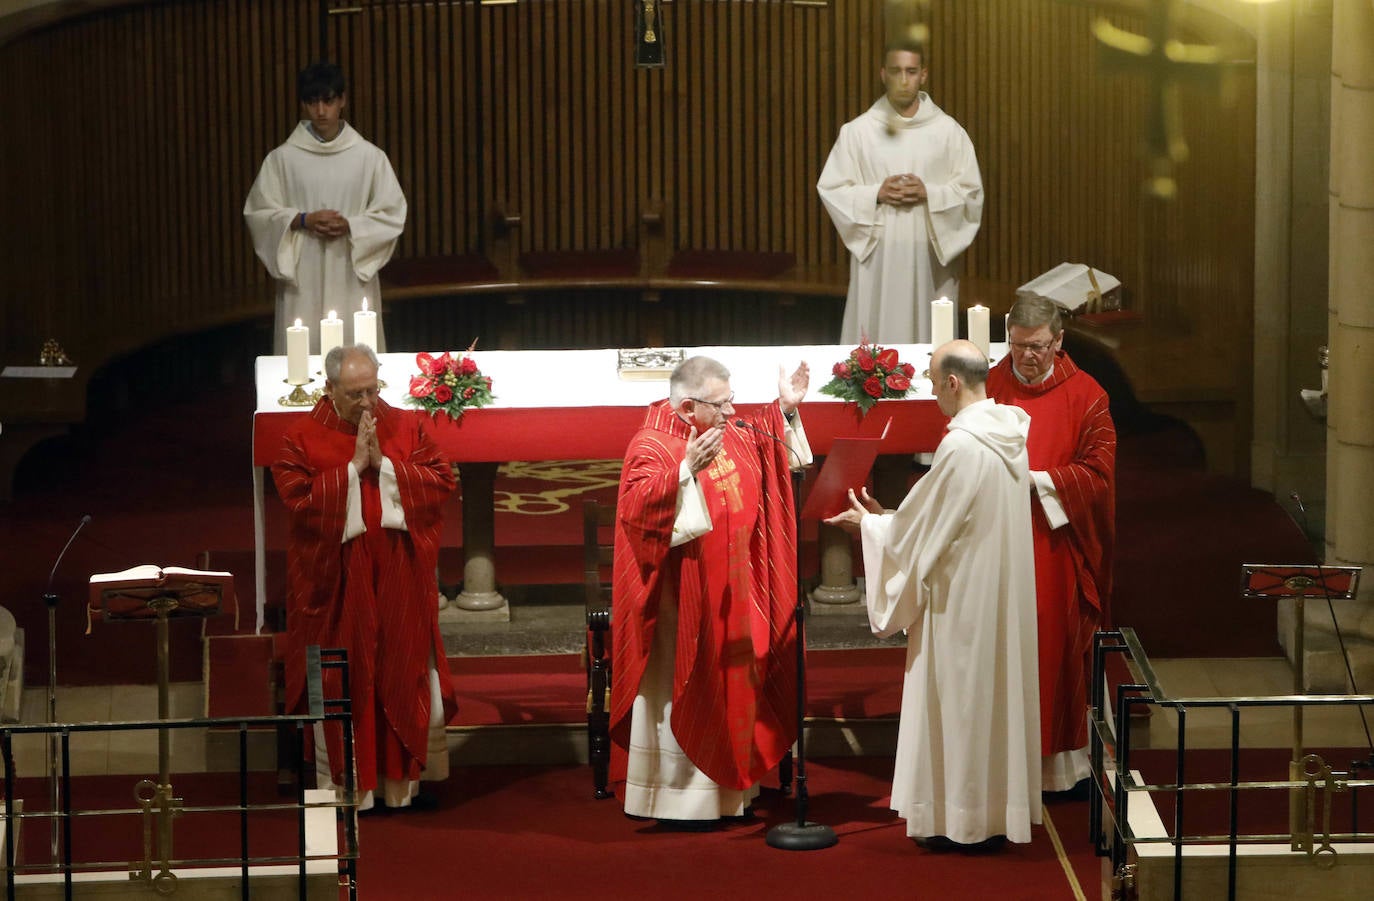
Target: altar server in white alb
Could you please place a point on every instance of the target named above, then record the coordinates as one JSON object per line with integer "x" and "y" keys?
{"x": 903, "y": 188}
{"x": 325, "y": 212}
{"x": 954, "y": 567}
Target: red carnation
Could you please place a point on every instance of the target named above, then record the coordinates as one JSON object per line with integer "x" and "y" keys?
{"x": 898, "y": 382}
{"x": 468, "y": 393}
{"x": 874, "y": 386}
{"x": 841, "y": 370}
{"x": 467, "y": 366}
{"x": 888, "y": 359}
{"x": 443, "y": 394}
{"x": 421, "y": 386}
{"x": 865, "y": 359}
{"x": 908, "y": 370}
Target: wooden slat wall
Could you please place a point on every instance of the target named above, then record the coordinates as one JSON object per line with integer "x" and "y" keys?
{"x": 131, "y": 138}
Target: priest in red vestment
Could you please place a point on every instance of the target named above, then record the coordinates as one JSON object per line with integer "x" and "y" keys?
{"x": 703, "y": 697}
{"x": 1072, "y": 448}
{"x": 364, "y": 485}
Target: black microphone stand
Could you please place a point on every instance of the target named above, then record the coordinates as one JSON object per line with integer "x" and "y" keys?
{"x": 50, "y": 599}
{"x": 801, "y": 835}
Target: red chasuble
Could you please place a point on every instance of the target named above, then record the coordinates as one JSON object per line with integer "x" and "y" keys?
{"x": 734, "y": 687}
{"x": 374, "y": 595}
{"x": 1073, "y": 439}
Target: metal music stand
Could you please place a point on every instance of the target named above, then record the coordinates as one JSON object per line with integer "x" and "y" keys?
{"x": 160, "y": 595}
{"x": 1297, "y": 582}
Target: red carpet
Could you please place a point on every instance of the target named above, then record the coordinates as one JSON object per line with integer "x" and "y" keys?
{"x": 525, "y": 832}
{"x": 520, "y": 832}
{"x": 858, "y": 683}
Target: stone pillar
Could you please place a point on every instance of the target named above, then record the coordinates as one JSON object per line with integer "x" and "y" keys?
{"x": 1350, "y": 420}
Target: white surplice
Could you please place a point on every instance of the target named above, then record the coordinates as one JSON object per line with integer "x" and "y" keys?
{"x": 315, "y": 275}
{"x": 954, "y": 566}
{"x": 902, "y": 258}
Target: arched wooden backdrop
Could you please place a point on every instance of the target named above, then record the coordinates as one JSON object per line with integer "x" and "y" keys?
{"x": 130, "y": 138}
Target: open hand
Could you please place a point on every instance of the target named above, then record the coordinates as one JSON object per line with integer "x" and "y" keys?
{"x": 791, "y": 389}
{"x": 702, "y": 449}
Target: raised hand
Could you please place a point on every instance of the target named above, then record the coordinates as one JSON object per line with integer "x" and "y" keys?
{"x": 791, "y": 389}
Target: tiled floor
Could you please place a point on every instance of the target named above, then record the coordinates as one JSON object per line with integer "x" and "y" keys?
{"x": 1266, "y": 727}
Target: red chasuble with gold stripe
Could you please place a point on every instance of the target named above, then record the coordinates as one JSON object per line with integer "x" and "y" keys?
{"x": 374, "y": 595}
{"x": 734, "y": 687}
{"x": 1072, "y": 437}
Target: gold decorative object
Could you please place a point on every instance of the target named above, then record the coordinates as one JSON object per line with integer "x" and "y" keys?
{"x": 1320, "y": 778}
{"x": 650, "y": 36}
{"x": 52, "y": 354}
{"x": 299, "y": 397}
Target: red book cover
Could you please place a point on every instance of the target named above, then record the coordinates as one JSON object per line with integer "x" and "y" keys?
{"x": 846, "y": 466}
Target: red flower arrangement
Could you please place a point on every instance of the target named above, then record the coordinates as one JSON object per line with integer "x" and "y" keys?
{"x": 449, "y": 383}
{"x": 868, "y": 375}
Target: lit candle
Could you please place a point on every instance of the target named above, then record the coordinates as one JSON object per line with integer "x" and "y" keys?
{"x": 979, "y": 328}
{"x": 941, "y": 322}
{"x": 297, "y": 354}
{"x": 365, "y": 326}
{"x": 331, "y": 334}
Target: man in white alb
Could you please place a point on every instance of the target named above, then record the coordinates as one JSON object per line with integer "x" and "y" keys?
{"x": 903, "y": 188}
{"x": 324, "y": 213}
{"x": 953, "y": 566}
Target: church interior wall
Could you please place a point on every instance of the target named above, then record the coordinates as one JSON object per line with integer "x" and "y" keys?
{"x": 131, "y": 158}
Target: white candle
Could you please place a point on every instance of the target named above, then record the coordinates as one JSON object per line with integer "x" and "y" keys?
{"x": 297, "y": 354}
{"x": 331, "y": 334}
{"x": 365, "y": 326}
{"x": 941, "y": 322}
{"x": 979, "y": 328}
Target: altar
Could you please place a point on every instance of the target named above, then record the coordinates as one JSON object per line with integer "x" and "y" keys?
{"x": 573, "y": 405}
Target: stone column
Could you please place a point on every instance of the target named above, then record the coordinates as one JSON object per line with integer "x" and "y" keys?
{"x": 1350, "y": 420}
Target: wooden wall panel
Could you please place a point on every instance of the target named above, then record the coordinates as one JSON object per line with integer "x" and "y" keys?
{"x": 132, "y": 137}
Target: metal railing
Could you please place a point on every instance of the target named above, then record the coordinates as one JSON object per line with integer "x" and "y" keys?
{"x": 1311, "y": 786}
{"x": 157, "y": 807}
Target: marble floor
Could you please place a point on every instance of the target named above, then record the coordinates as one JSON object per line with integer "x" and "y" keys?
{"x": 193, "y": 750}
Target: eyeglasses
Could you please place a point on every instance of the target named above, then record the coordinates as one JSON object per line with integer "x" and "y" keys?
{"x": 1037, "y": 347}
{"x": 718, "y": 404}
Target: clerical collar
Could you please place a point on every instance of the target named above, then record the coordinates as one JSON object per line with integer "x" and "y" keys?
{"x": 310, "y": 127}
{"x": 1025, "y": 381}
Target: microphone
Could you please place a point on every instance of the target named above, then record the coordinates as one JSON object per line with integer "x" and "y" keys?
{"x": 740, "y": 423}
{"x": 58, "y": 562}
{"x": 1297, "y": 499}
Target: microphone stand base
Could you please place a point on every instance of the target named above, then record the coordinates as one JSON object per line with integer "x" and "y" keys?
{"x": 792, "y": 836}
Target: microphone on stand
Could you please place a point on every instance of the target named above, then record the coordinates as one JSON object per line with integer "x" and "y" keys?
{"x": 50, "y": 599}
{"x": 58, "y": 562}
{"x": 742, "y": 424}
{"x": 802, "y": 835}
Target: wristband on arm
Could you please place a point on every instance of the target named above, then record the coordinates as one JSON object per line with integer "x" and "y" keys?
{"x": 302, "y": 222}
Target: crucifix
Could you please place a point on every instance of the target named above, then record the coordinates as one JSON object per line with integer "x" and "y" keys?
{"x": 1166, "y": 61}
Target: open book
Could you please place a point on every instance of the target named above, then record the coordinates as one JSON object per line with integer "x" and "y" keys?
{"x": 136, "y": 593}
{"x": 1070, "y": 285}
